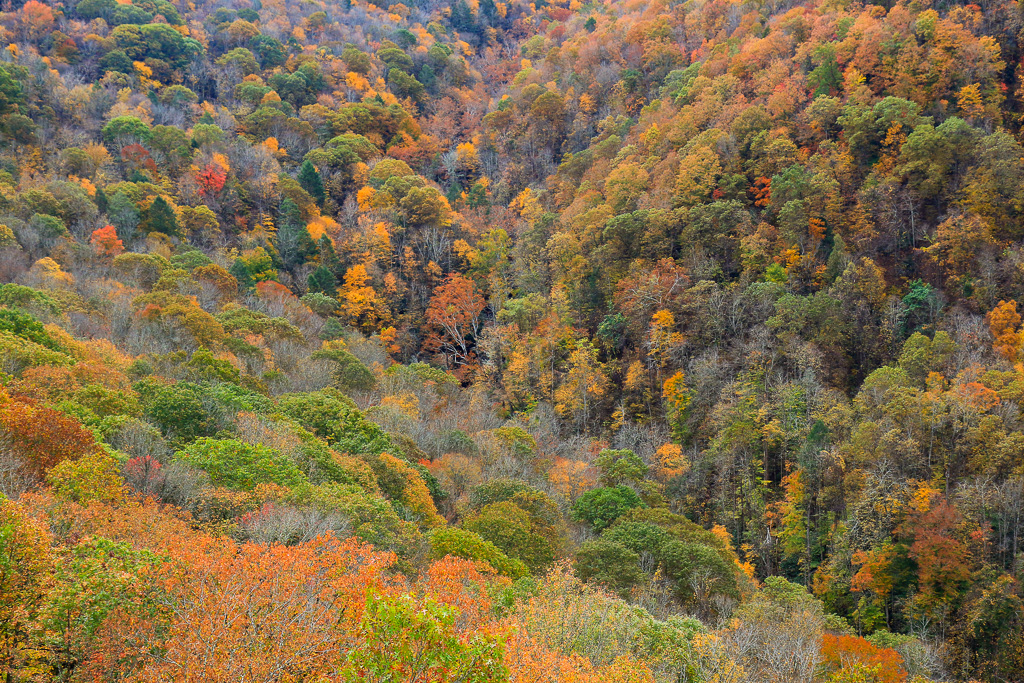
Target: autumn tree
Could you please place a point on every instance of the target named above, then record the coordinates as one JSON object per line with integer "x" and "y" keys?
{"x": 1004, "y": 323}
{"x": 106, "y": 241}
{"x": 453, "y": 318}
{"x": 359, "y": 301}
{"x": 25, "y": 565}
{"x": 583, "y": 386}
{"x": 39, "y": 437}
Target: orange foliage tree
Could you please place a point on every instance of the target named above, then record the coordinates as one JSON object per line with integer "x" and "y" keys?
{"x": 942, "y": 558}
{"x": 1004, "y": 323}
{"x": 846, "y": 652}
{"x": 453, "y": 321}
{"x": 39, "y": 437}
{"x": 36, "y": 18}
{"x": 105, "y": 241}
{"x": 264, "y": 612}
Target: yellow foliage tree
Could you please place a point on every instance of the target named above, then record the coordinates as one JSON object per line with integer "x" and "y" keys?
{"x": 414, "y": 493}
{"x": 677, "y": 400}
{"x": 467, "y": 159}
{"x": 663, "y": 339}
{"x": 48, "y": 273}
{"x": 359, "y": 302}
{"x": 583, "y": 386}
{"x": 25, "y": 566}
{"x": 672, "y": 462}
{"x": 94, "y": 476}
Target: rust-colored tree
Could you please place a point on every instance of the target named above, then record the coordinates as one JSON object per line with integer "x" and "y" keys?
{"x": 454, "y": 322}
{"x": 38, "y": 437}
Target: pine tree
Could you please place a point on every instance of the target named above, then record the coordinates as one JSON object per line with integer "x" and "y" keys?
{"x": 101, "y": 200}
{"x": 160, "y": 218}
{"x": 289, "y": 214}
{"x": 311, "y": 182}
{"x": 294, "y": 244}
{"x": 462, "y": 17}
{"x": 329, "y": 257}
{"x": 454, "y": 193}
{"x": 322, "y": 280}
{"x": 428, "y": 77}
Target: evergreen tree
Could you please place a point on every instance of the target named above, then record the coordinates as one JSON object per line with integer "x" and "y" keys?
{"x": 454, "y": 193}
{"x": 294, "y": 244}
{"x": 428, "y": 77}
{"x": 462, "y": 17}
{"x": 311, "y": 182}
{"x": 289, "y": 213}
{"x": 241, "y": 273}
{"x": 160, "y": 218}
{"x": 329, "y": 257}
{"x": 322, "y": 280}
{"x": 275, "y": 256}
{"x": 101, "y": 200}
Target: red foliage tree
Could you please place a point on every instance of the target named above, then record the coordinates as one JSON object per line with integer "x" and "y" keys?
{"x": 211, "y": 180}
{"x": 137, "y": 158}
{"x": 647, "y": 290}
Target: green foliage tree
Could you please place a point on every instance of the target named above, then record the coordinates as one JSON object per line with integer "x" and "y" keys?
{"x": 311, "y": 182}
{"x": 405, "y": 640}
{"x": 239, "y": 465}
{"x": 156, "y": 41}
{"x": 176, "y": 410}
{"x": 160, "y": 218}
{"x": 12, "y": 96}
{"x": 509, "y": 527}
{"x": 126, "y": 130}
{"x": 620, "y": 467}
{"x": 600, "y": 507}
{"x": 350, "y": 373}
{"x": 96, "y": 580}
{"x": 609, "y": 564}
{"x": 293, "y": 241}
{"x": 334, "y": 417}
{"x": 470, "y": 546}
{"x": 269, "y": 50}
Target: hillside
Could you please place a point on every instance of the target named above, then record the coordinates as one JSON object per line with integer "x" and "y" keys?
{"x": 499, "y": 341}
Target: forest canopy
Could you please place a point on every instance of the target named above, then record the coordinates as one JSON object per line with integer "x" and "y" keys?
{"x": 502, "y": 341}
